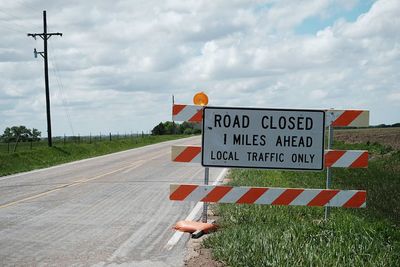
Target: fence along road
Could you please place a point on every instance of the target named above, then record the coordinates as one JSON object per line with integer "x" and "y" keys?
{"x": 104, "y": 211}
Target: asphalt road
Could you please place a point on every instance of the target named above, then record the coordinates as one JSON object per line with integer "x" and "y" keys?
{"x": 106, "y": 211}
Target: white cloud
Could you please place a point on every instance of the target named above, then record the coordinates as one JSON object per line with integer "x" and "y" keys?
{"x": 120, "y": 61}
{"x": 381, "y": 21}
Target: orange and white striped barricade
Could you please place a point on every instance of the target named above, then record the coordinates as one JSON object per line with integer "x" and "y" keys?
{"x": 346, "y": 158}
{"x": 347, "y": 118}
{"x": 333, "y": 158}
{"x": 336, "y": 118}
{"x": 274, "y": 196}
{"x": 186, "y": 154}
{"x": 189, "y": 113}
{"x": 342, "y": 118}
{"x": 268, "y": 195}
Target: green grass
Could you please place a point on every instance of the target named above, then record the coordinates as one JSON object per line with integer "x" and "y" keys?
{"x": 261, "y": 235}
{"x": 43, "y": 156}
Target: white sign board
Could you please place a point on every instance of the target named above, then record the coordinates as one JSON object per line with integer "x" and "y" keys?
{"x": 263, "y": 138}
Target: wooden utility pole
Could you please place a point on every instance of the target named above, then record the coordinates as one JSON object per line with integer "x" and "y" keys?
{"x": 45, "y": 36}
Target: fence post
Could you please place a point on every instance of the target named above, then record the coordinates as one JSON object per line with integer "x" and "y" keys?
{"x": 31, "y": 143}
{"x": 100, "y": 137}
{"x": 8, "y": 147}
{"x": 110, "y": 136}
{"x": 90, "y": 138}
{"x": 16, "y": 144}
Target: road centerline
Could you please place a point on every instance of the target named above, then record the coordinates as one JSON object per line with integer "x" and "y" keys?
{"x": 75, "y": 183}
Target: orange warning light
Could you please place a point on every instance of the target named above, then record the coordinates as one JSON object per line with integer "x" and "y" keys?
{"x": 200, "y": 99}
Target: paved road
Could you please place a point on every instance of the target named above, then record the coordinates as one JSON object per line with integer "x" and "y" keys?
{"x": 107, "y": 211}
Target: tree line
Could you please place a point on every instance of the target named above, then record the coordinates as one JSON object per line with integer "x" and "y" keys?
{"x": 170, "y": 127}
{"x": 23, "y": 134}
{"x": 386, "y": 125}
{"x": 20, "y": 134}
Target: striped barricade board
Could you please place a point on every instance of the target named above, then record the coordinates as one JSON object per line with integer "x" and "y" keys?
{"x": 346, "y": 158}
{"x": 333, "y": 158}
{"x": 337, "y": 118}
{"x": 347, "y": 118}
{"x": 269, "y": 195}
{"x": 190, "y": 113}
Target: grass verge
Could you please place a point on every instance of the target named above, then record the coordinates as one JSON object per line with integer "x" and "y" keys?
{"x": 42, "y": 157}
{"x": 257, "y": 235}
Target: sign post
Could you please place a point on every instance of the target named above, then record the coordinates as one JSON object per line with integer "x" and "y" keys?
{"x": 328, "y": 169}
{"x": 201, "y": 99}
{"x": 205, "y": 204}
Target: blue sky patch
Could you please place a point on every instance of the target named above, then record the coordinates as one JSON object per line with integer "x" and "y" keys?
{"x": 314, "y": 24}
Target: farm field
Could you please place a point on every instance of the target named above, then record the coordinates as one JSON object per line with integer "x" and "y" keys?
{"x": 389, "y": 137}
{"x": 261, "y": 235}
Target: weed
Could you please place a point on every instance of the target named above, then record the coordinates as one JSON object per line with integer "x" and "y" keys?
{"x": 257, "y": 235}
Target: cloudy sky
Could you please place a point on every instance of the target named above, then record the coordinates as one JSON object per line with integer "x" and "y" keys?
{"x": 119, "y": 62}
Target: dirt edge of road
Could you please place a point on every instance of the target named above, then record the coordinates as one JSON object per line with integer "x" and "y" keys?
{"x": 197, "y": 254}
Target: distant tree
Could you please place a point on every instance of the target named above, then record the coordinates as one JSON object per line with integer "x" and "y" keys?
{"x": 7, "y": 135}
{"x": 185, "y": 125}
{"x": 382, "y": 125}
{"x": 194, "y": 127}
{"x": 159, "y": 129}
{"x": 36, "y": 134}
{"x": 170, "y": 127}
{"x": 20, "y": 134}
{"x": 188, "y": 131}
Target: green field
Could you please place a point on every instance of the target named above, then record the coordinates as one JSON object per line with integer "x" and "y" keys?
{"x": 41, "y": 156}
{"x": 257, "y": 235}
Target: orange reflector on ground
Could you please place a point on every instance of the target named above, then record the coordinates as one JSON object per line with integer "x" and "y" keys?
{"x": 191, "y": 226}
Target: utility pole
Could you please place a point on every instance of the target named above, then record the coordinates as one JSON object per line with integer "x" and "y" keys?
{"x": 45, "y": 36}
{"x": 173, "y": 122}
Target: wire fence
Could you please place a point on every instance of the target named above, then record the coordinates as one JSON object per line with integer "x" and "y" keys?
{"x": 12, "y": 146}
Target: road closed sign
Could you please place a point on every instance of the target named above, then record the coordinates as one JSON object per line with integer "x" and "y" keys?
{"x": 263, "y": 138}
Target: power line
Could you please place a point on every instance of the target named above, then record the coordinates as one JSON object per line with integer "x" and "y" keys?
{"x": 64, "y": 102}
{"x": 8, "y": 14}
{"x": 33, "y": 8}
{"x": 45, "y": 36}
{"x": 16, "y": 21}
{"x": 12, "y": 28}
